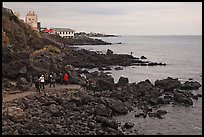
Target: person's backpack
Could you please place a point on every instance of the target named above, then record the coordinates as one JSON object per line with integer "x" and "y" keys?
{"x": 52, "y": 79}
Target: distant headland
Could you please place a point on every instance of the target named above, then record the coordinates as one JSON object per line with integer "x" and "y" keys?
{"x": 93, "y": 34}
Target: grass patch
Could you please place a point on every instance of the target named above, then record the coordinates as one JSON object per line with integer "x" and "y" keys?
{"x": 48, "y": 48}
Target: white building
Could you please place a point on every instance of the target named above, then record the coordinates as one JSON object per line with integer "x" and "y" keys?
{"x": 64, "y": 32}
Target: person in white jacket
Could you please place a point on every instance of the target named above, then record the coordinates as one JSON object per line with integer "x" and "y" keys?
{"x": 42, "y": 81}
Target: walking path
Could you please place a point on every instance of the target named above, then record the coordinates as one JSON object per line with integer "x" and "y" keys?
{"x": 32, "y": 91}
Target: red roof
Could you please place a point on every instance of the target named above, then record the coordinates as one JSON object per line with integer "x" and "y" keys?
{"x": 48, "y": 30}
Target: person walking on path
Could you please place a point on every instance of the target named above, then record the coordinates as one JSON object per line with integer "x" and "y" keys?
{"x": 37, "y": 84}
{"x": 46, "y": 78}
{"x": 30, "y": 80}
{"x": 52, "y": 81}
{"x": 42, "y": 81}
{"x": 60, "y": 78}
{"x": 66, "y": 78}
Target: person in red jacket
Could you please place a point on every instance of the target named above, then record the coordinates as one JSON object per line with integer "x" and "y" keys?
{"x": 66, "y": 78}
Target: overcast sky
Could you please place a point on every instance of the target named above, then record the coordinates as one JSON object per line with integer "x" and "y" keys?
{"x": 123, "y": 18}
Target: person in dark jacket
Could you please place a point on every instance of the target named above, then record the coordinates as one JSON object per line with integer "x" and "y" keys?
{"x": 52, "y": 80}
{"x": 60, "y": 78}
{"x": 37, "y": 84}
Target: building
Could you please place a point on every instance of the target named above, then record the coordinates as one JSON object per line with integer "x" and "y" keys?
{"x": 39, "y": 26}
{"x": 50, "y": 31}
{"x": 64, "y": 32}
{"x": 32, "y": 20}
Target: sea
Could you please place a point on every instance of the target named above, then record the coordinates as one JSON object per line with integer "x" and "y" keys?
{"x": 183, "y": 56}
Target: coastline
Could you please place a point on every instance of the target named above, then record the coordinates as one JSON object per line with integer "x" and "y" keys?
{"x": 90, "y": 110}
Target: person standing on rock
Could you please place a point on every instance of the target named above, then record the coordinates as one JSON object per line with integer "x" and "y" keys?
{"x": 66, "y": 78}
{"x": 42, "y": 81}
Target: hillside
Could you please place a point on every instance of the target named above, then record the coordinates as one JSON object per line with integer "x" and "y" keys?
{"x": 21, "y": 37}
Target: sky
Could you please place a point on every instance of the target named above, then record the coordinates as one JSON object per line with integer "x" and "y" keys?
{"x": 121, "y": 18}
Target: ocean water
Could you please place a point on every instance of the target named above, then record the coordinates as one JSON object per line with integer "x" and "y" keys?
{"x": 183, "y": 56}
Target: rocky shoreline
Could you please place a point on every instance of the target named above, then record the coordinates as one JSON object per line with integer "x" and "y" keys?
{"x": 53, "y": 59}
{"x": 90, "y": 110}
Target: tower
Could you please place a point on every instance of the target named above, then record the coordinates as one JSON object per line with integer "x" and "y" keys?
{"x": 32, "y": 20}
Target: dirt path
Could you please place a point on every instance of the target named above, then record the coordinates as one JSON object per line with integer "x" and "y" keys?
{"x": 58, "y": 88}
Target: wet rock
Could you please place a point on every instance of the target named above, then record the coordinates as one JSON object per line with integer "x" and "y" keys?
{"x": 16, "y": 114}
{"x": 122, "y": 81}
{"x": 191, "y": 85}
{"x": 104, "y": 85}
{"x": 143, "y": 57}
{"x": 107, "y": 122}
{"x": 155, "y": 64}
{"x": 164, "y": 100}
{"x": 182, "y": 99}
{"x": 116, "y": 105}
{"x": 104, "y": 68}
{"x": 80, "y": 71}
{"x": 118, "y": 68}
{"x": 23, "y": 84}
{"x": 196, "y": 96}
{"x": 199, "y": 95}
{"x": 161, "y": 112}
{"x": 168, "y": 84}
{"x": 187, "y": 93}
{"x": 144, "y": 85}
{"x": 128, "y": 125}
{"x": 154, "y": 114}
{"x": 112, "y": 131}
{"x": 152, "y": 96}
{"x": 143, "y": 64}
{"x": 109, "y": 52}
{"x": 102, "y": 110}
{"x": 100, "y": 81}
